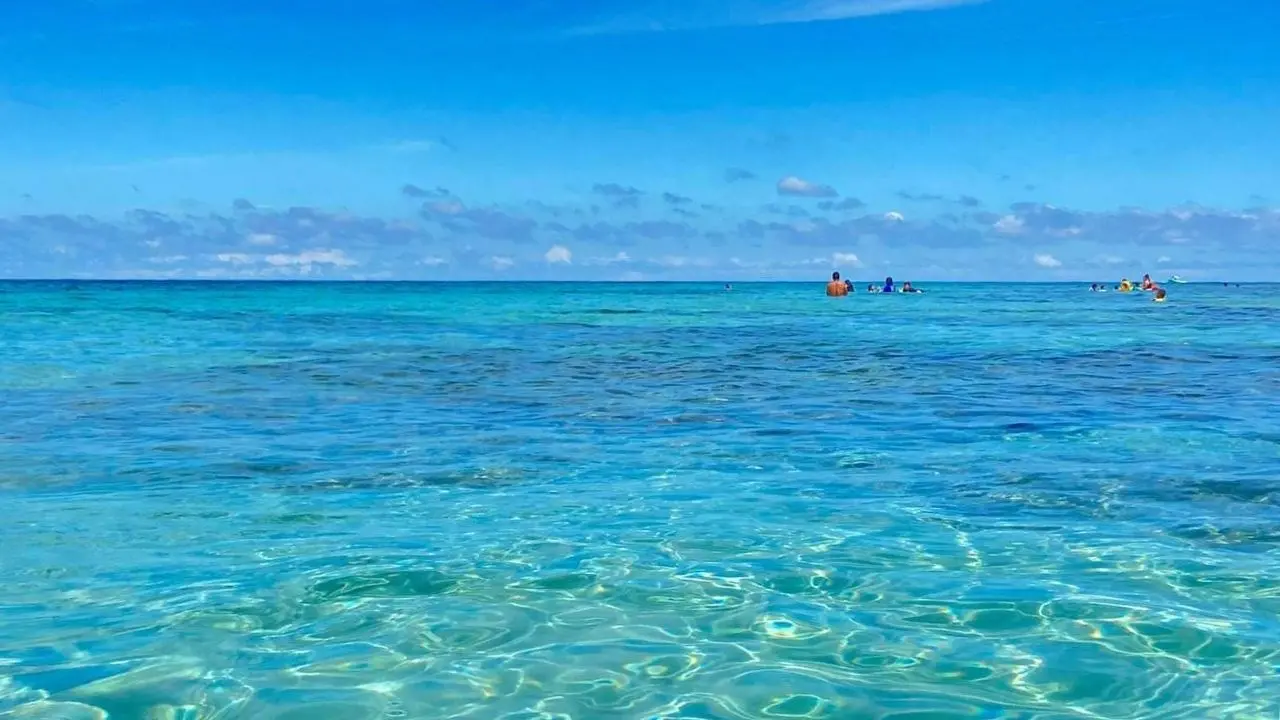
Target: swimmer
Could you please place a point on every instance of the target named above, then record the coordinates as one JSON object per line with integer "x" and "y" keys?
{"x": 1093, "y": 287}
{"x": 888, "y": 285}
{"x": 872, "y": 288}
{"x": 906, "y": 287}
{"x": 848, "y": 284}
{"x": 1147, "y": 284}
{"x": 1125, "y": 285}
{"x": 1159, "y": 295}
{"x": 837, "y": 288}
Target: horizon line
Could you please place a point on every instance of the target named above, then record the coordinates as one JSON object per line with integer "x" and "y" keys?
{"x": 407, "y": 281}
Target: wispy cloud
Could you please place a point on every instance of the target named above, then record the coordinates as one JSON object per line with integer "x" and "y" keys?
{"x": 695, "y": 14}
{"x": 1046, "y": 260}
{"x": 819, "y": 10}
{"x": 797, "y": 187}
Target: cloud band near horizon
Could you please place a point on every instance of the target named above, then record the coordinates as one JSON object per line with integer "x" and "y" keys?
{"x": 630, "y": 233}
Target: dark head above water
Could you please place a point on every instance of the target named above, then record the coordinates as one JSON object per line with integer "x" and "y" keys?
{"x": 835, "y": 275}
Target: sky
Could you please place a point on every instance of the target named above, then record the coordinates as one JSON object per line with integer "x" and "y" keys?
{"x": 931, "y": 140}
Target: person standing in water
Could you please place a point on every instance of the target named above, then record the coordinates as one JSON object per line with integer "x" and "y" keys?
{"x": 837, "y": 287}
{"x": 888, "y": 285}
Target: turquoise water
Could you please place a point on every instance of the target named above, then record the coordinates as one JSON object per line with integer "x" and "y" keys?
{"x": 547, "y": 502}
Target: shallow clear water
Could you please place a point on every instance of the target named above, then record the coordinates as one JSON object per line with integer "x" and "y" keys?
{"x": 638, "y": 501}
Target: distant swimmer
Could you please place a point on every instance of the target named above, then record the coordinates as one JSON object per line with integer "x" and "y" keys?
{"x": 906, "y": 288}
{"x": 848, "y": 284}
{"x": 888, "y": 285}
{"x": 1160, "y": 294}
{"x": 872, "y": 288}
{"x": 837, "y": 287}
{"x": 1125, "y": 285}
{"x": 1147, "y": 283}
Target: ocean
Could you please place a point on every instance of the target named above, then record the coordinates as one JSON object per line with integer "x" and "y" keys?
{"x": 544, "y": 501}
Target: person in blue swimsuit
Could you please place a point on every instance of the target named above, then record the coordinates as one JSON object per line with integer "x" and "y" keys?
{"x": 888, "y": 285}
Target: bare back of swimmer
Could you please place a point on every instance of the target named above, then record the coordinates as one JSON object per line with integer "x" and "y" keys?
{"x": 837, "y": 287}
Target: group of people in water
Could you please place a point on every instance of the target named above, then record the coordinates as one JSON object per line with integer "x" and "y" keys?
{"x": 1147, "y": 285}
{"x": 840, "y": 288}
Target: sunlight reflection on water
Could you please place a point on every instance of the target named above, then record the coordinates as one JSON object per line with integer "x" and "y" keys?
{"x": 362, "y": 501}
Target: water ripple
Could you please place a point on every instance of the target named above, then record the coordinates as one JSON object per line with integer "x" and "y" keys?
{"x": 244, "y": 501}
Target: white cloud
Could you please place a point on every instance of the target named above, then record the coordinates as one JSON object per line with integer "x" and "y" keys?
{"x": 845, "y": 259}
{"x": 212, "y": 273}
{"x": 894, "y": 216}
{"x": 433, "y": 261}
{"x": 1164, "y": 259}
{"x": 1009, "y": 225}
{"x": 337, "y": 258}
{"x": 559, "y": 254}
{"x": 679, "y": 261}
{"x": 261, "y": 239}
{"x": 1046, "y": 260}
{"x": 621, "y": 257}
{"x": 1111, "y": 260}
{"x": 167, "y": 259}
{"x": 792, "y": 185}
{"x": 500, "y": 263}
{"x": 304, "y": 262}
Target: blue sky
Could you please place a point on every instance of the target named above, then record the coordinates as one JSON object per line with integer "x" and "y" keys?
{"x": 652, "y": 139}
